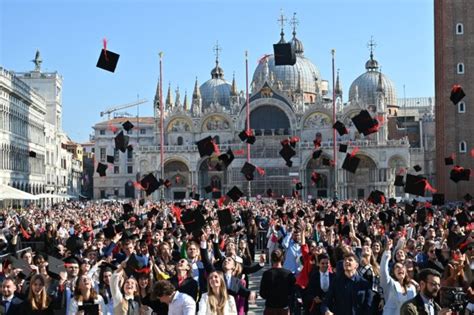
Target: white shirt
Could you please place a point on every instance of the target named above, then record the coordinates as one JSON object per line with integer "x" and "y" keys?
{"x": 324, "y": 281}
{"x": 182, "y": 304}
{"x": 229, "y": 309}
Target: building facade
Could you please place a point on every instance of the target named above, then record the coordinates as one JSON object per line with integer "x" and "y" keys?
{"x": 454, "y": 61}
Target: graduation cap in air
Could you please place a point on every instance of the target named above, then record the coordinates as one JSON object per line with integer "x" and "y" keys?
{"x": 341, "y": 128}
{"x": 141, "y": 202}
{"x": 467, "y": 197}
{"x": 107, "y": 60}
{"x": 421, "y": 215}
{"x": 224, "y": 217}
{"x": 329, "y": 219}
{"x": 109, "y": 231}
{"x": 127, "y": 125}
{"x": 317, "y": 154}
{"x": 457, "y": 94}
{"x": 167, "y": 183}
{"x": 150, "y": 184}
{"x": 18, "y": 263}
{"x": 392, "y": 202}
{"x": 417, "y": 168}
{"x": 351, "y": 163}
{"x": 364, "y": 123}
{"x": 385, "y": 217}
{"x": 415, "y": 185}
{"x": 287, "y": 152}
{"x": 235, "y": 193}
{"x": 55, "y": 267}
{"x": 121, "y": 142}
{"x": 136, "y": 263}
{"x": 459, "y": 173}
{"x": 438, "y": 200}
{"x": 248, "y": 171}
{"x": 32, "y": 154}
{"x": 74, "y": 243}
{"x": 284, "y": 54}
{"x": 227, "y": 158}
{"x": 101, "y": 168}
{"x": 464, "y": 218}
{"x": 280, "y": 202}
{"x": 110, "y": 159}
{"x": 244, "y": 136}
{"x": 269, "y": 192}
{"x": 194, "y": 196}
{"x": 409, "y": 209}
{"x": 193, "y": 220}
{"x": 399, "y": 181}
{"x": 343, "y": 148}
{"x": 377, "y": 197}
{"x": 205, "y": 146}
{"x": 299, "y": 186}
{"x": 449, "y": 160}
{"x": 130, "y": 147}
{"x": 127, "y": 208}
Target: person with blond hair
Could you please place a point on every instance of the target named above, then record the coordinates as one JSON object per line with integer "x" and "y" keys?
{"x": 216, "y": 301}
{"x": 38, "y": 301}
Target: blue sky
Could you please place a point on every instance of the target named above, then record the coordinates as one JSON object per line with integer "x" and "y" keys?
{"x": 69, "y": 35}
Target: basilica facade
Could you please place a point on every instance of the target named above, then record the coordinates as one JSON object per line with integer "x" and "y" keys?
{"x": 284, "y": 101}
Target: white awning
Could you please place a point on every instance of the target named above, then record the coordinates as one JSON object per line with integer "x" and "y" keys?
{"x": 10, "y": 193}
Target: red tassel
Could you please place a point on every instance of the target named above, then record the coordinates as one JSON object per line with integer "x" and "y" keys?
{"x": 112, "y": 127}
{"x": 215, "y": 189}
{"x": 456, "y": 88}
{"x": 354, "y": 151}
{"x": 220, "y": 201}
{"x": 216, "y": 147}
{"x": 295, "y": 139}
{"x": 104, "y": 41}
{"x": 24, "y": 233}
{"x": 177, "y": 213}
{"x": 261, "y": 171}
{"x": 239, "y": 152}
{"x": 285, "y": 142}
{"x": 401, "y": 171}
{"x": 295, "y": 181}
{"x": 429, "y": 187}
{"x": 138, "y": 186}
{"x": 145, "y": 270}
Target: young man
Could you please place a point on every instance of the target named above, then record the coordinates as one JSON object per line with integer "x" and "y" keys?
{"x": 318, "y": 285}
{"x": 277, "y": 286}
{"x": 178, "y": 303}
{"x": 423, "y": 303}
{"x": 10, "y": 304}
{"x": 349, "y": 293}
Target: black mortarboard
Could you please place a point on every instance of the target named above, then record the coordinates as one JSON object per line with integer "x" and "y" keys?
{"x": 289, "y": 163}
{"x": 74, "y": 243}
{"x": 351, "y": 163}
{"x": 317, "y": 154}
{"x": 127, "y": 208}
{"x": 392, "y": 202}
{"x": 329, "y": 219}
{"x": 251, "y": 139}
{"x": 438, "y": 200}
{"x": 467, "y": 197}
{"x": 457, "y": 94}
{"x": 167, "y": 183}
{"x": 135, "y": 262}
{"x": 341, "y": 128}
{"x": 284, "y": 54}
{"x": 141, "y": 202}
{"x": 109, "y": 231}
{"x": 326, "y": 162}
{"x": 403, "y": 219}
{"x": 101, "y": 168}
{"x": 127, "y": 125}
{"x": 409, "y": 209}
{"x": 459, "y": 173}
{"x": 248, "y": 170}
{"x": 377, "y": 197}
{"x": 363, "y": 227}
{"x": 32, "y": 154}
{"x": 21, "y": 264}
{"x": 153, "y": 212}
{"x": 280, "y": 202}
{"x": 130, "y": 147}
{"x": 343, "y": 148}
{"x": 364, "y": 123}
{"x": 463, "y": 218}
{"x": 227, "y": 158}
{"x": 224, "y": 217}
{"x": 287, "y": 152}
{"x": 421, "y": 215}
{"x": 299, "y": 186}
{"x": 55, "y": 267}
{"x": 449, "y": 161}
{"x": 269, "y": 192}
{"x": 150, "y": 184}
{"x": 235, "y": 193}
{"x": 121, "y": 142}
{"x": 417, "y": 168}
{"x": 205, "y": 146}
{"x": 399, "y": 181}
{"x": 193, "y": 220}
{"x": 110, "y": 159}
{"x": 345, "y": 230}
{"x": 107, "y": 60}
{"x": 245, "y": 137}
{"x": 300, "y": 213}
{"x": 208, "y": 189}
{"x": 415, "y": 185}
{"x": 195, "y": 196}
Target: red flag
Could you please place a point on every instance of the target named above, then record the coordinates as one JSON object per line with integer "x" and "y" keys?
{"x": 112, "y": 127}
{"x": 177, "y": 213}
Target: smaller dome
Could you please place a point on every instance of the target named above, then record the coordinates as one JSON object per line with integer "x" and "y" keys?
{"x": 372, "y": 65}
{"x": 297, "y": 45}
{"x": 217, "y": 72}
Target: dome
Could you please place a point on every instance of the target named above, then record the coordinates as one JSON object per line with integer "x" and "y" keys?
{"x": 216, "y": 89}
{"x": 366, "y": 85}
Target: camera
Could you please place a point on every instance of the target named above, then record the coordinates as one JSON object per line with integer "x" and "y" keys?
{"x": 453, "y": 298}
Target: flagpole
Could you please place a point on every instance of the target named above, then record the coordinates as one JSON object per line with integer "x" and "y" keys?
{"x": 248, "y": 114}
{"x": 334, "y": 142}
{"x": 162, "y": 135}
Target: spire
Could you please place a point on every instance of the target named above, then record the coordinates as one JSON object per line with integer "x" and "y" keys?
{"x": 37, "y": 61}
{"x": 338, "y": 89}
{"x": 371, "y": 64}
{"x": 185, "y": 102}
{"x": 178, "y": 97}
{"x": 217, "y": 72}
{"x": 169, "y": 99}
{"x": 233, "y": 90}
{"x": 196, "y": 92}
{"x": 282, "y": 20}
{"x": 294, "y": 22}
{"x": 156, "y": 101}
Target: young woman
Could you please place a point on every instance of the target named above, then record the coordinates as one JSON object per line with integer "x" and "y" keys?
{"x": 183, "y": 281}
{"x": 145, "y": 284}
{"x": 216, "y": 301}
{"x": 124, "y": 292}
{"x": 369, "y": 269}
{"x": 397, "y": 289}
{"x": 84, "y": 294}
{"x": 104, "y": 289}
{"x": 38, "y": 302}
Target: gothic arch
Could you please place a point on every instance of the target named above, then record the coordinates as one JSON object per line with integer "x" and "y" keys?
{"x": 254, "y": 105}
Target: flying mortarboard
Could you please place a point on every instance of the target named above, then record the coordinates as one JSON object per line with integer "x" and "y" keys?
{"x": 150, "y": 184}
{"x": 341, "y": 128}
{"x": 110, "y": 159}
{"x": 457, "y": 94}
{"x": 235, "y": 193}
{"x": 287, "y": 152}
{"x": 351, "y": 163}
{"x": 193, "y": 220}
{"x": 55, "y": 267}
{"x": 459, "y": 173}
{"x": 195, "y": 196}
{"x": 269, "y": 192}
{"x": 343, "y": 148}
{"x": 449, "y": 160}
{"x": 280, "y": 202}
{"x": 127, "y": 125}
{"x": 415, "y": 185}
{"x": 18, "y": 263}
{"x": 399, "y": 181}
{"x": 377, "y": 197}
{"x": 250, "y": 139}
{"x": 32, "y": 154}
{"x": 409, "y": 209}
{"x": 284, "y": 54}
{"x": 421, "y": 215}
{"x": 205, "y": 146}
{"x": 392, "y": 202}
{"x": 463, "y": 218}
{"x": 299, "y": 186}
{"x": 74, "y": 243}
{"x": 101, "y": 168}
{"x": 121, "y": 142}
{"x": 417, "y": 168}
{"x": 364, "y": 123}
{"x": 467, "y": 197}
{"x": 248, "y": 171}
{"x": 107, "y": 60}
{"x": 329, "y": 219}
{"x": 127, "y": 208}
{"x": 224, "y": 217}
{"x": 227, "y": 158}
{"x": 438, "y": 200}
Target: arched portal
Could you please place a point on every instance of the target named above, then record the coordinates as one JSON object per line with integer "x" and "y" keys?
{"x": 177, "y": 172}
{"x": 209, "y": 176}
{"x": 322, "y": 187}
{"x": 267, "y": 117}
{"x": 129, "y": 190}
{"x": 360, "y": 184}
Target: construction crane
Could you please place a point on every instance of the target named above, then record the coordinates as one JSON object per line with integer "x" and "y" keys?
{"x": 110, "y": 110}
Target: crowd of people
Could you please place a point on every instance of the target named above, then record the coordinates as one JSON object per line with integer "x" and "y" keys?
{"x": 196, "y": 257}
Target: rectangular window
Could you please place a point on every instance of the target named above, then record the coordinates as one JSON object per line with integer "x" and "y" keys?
{"x": 116, "y": 156}
{"x": 130, "y": 169}
{"x": 129, "y": 132}
{"x": 129, "y": 154}
{"x": 116, "y": 192}
{"x": 142, "y": 131}
{"x": 102, "y": 194}
{"x": 116, "y": 170}
{"x": 103, "y": 153}
{"x": 102, "y": 132}
{"x": 461, "y": 107}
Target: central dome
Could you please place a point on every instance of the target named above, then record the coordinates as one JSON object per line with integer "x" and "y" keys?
{"x": 303, "y": 73}
{"x": 216, "y": 89}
